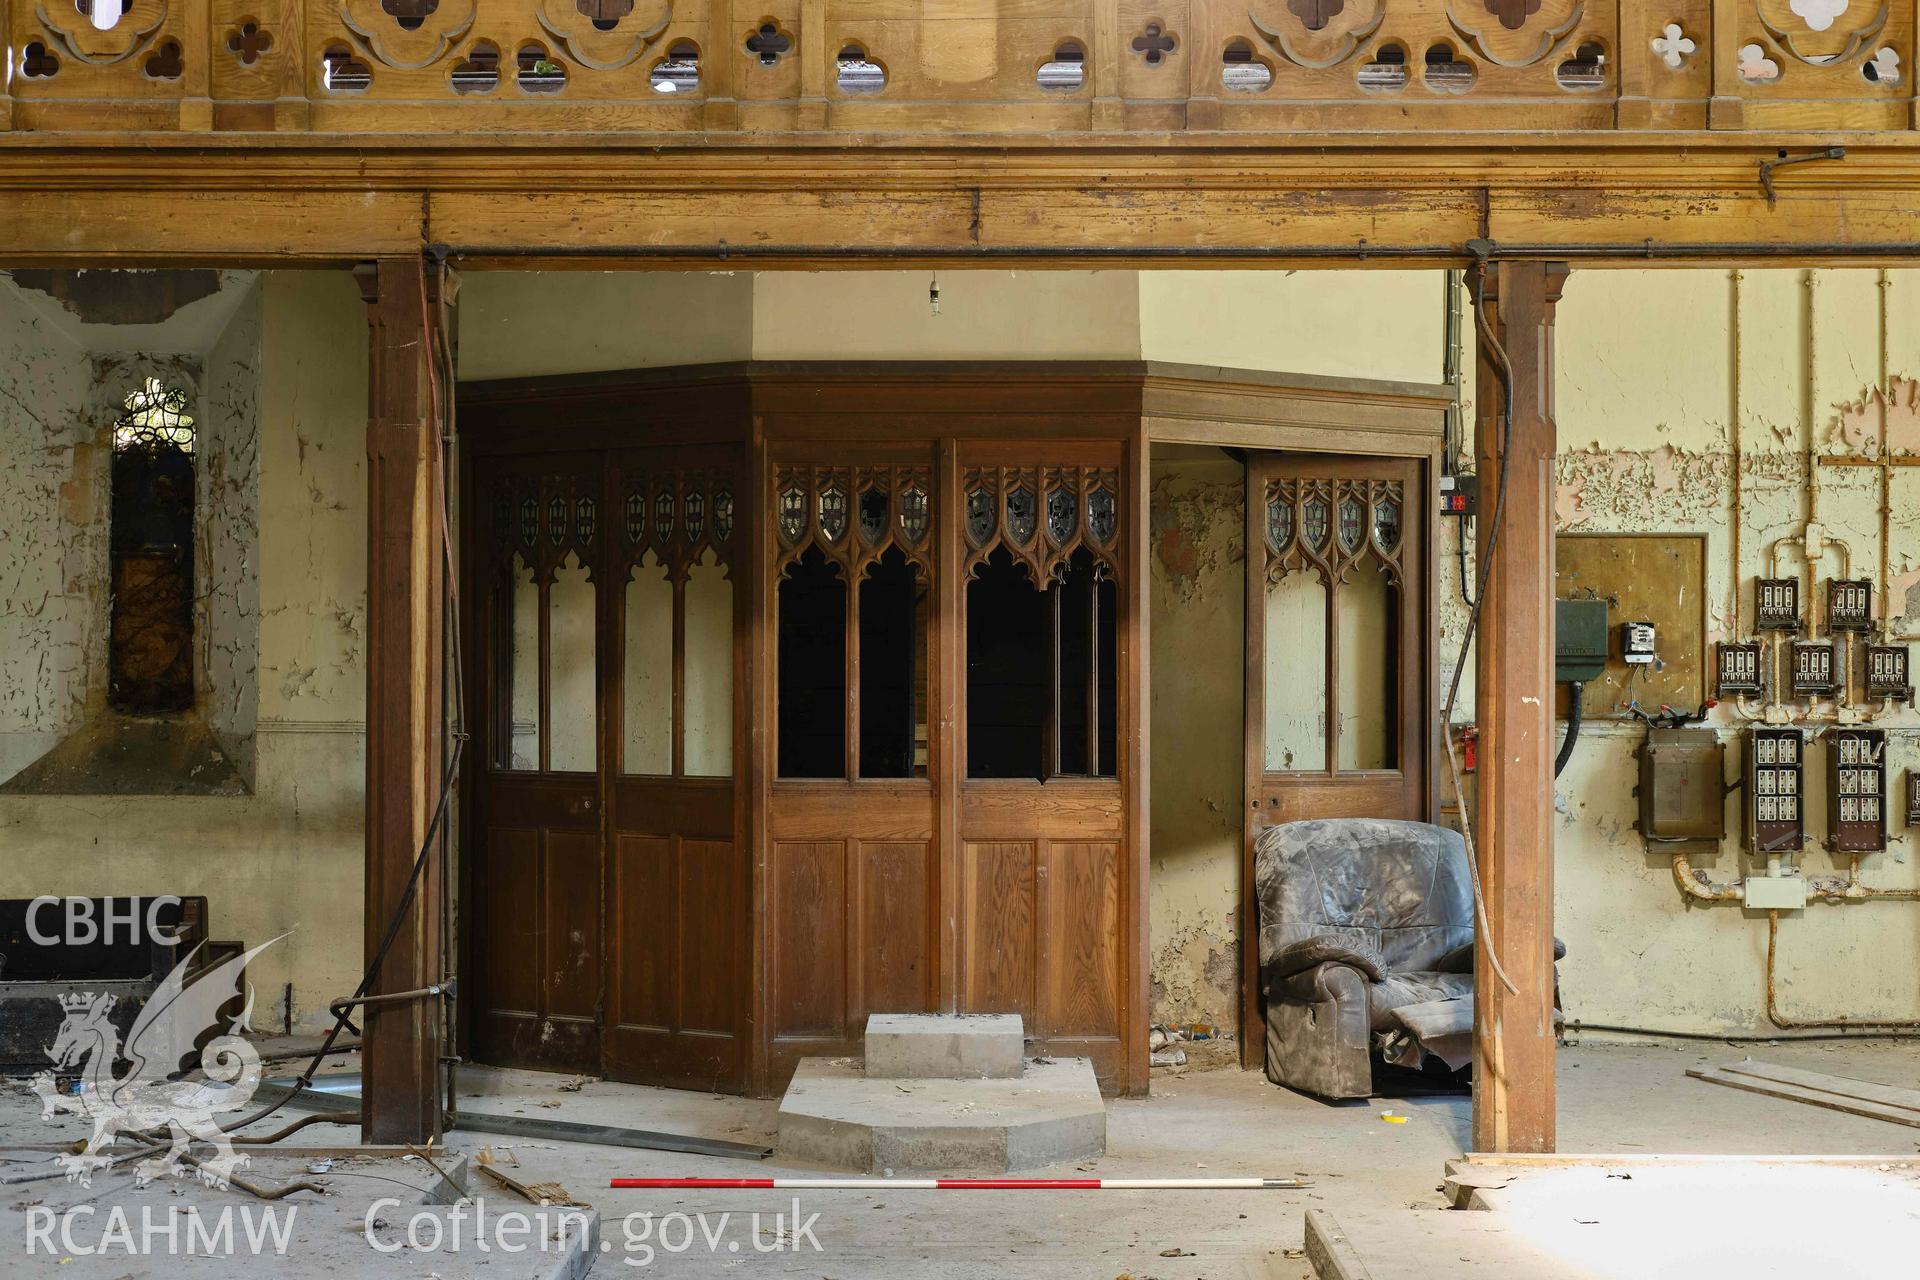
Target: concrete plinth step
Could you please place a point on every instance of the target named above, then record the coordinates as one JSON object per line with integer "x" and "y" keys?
{"x": 834, "y": 1114}
{"x": 950, "y": 1046}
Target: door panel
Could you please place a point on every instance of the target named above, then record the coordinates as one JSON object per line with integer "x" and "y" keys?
{"x": 538, "y": 804}
{"x": 610, "y": 887}
{"x": 1339, "y": 719}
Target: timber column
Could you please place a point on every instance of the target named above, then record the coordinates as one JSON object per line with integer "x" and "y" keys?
{"x": 1513, "y": 1086}
{"x": 405, "y": 636}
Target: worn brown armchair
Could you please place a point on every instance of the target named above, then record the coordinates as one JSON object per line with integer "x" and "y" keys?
{"x": 1366, "y": 944}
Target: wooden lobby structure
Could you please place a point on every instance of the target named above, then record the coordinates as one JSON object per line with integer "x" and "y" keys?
{"x": 399, "y": 136}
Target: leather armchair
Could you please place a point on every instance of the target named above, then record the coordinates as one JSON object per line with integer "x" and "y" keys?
{"x": 1361, "y": 918}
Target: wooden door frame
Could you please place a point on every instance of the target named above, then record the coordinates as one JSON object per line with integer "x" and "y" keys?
{"x": 1425, "y": 715}
{"x": 1305, "y": 414}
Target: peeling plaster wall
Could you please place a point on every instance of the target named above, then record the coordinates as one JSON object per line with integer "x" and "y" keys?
{"x": 47, "y": 475}
{"x": 227, "y": 562}
{"x": 287, "y": 857}
{"x": 1660, "y": 374}
{"x": 1197, "y": 605}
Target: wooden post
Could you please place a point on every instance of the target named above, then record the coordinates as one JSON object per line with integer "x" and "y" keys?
{"x": 1513, "y": 1093}
{"x": 405, "y": 576}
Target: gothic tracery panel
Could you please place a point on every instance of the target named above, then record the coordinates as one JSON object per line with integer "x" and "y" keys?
{"x": 1040, "y": 515}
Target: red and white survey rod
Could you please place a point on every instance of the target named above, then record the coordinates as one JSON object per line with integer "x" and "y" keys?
{"x": 959, "y": 1184}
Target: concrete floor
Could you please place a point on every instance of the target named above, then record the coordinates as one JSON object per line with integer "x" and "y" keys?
{"x": 1613, "y": 1099}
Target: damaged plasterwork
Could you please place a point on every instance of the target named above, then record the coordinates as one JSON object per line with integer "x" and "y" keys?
{"x": 51, "y": 558}
{"x": 1198, "y": 610}
{"x": 59, "y": 400}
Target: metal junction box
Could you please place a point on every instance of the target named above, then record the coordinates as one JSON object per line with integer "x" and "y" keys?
{"x": 1682, "y": 786}
{"x": 1579, "y": 640}
{"x": 1857, "y": 791}
{"x": 1775, "y": 790}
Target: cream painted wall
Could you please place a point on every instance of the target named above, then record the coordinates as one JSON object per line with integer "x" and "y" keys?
{"x": 516, "y": 324}
{"x": 984, "y": 315}
{"x": 1354, "y": 324}
{"x": 286, "y": 858}
{"x": 1196, "y": 612}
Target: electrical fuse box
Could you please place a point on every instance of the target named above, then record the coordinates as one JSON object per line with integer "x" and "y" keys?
{"x": 1683, "y": 786}
{"x": 1813, "y": 669}
{"x": 1775, "y": 814}
{"x": 1637, "y": 643}
{"x": 1459, "y": 495}
{"x": 1888, "y": 668}
{"x": 1913, "y": 797}
{"x": 1857, "y": 791}
{"x": 1849, "y": 604}
{"x": 1742, "y": 668}
{"x": 1579, "y": 640}
{"x": 1776, "y": 604}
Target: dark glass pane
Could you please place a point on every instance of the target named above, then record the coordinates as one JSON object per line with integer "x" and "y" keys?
{"x": 979, "y": 515}
{"x": 793, "y": 512}
{"x": 873, "y": 514}
{"x": 1061, "y": 509}
{"x": 1107, "y": 690}
{"x": 1008, "y": 629}
{"x": 1023, "y": 514}
{"x": 893, "y": 670}
{"x": 813, "y": 670}
{"x": 833, "y": 512}
{"x": 150, "y": 634}
{"x": 913, "y": 514}
{"x": 1089, "y": 689}
{"x": 1103, "y": 516}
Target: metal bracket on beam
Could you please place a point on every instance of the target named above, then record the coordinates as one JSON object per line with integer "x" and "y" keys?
{"x": 1783, "y": 159}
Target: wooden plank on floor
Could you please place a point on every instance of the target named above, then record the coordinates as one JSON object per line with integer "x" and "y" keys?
{"x": 1796, "y": 1093}
{"x": 1331, "y": 1253}
{"x": 1842, "y": 1086}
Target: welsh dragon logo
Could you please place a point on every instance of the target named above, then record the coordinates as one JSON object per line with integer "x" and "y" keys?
{"x": 154, "y": 1093}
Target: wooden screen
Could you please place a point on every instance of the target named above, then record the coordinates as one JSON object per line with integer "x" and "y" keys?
{"x": 1338, "y": 652}
{"x": 852, "y": 875}
{"x": 1043, "y": 861}
{"x": 608, "y": 882}
{"x": 1006, "y": 683}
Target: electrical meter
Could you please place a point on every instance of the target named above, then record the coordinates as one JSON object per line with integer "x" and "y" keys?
{"x": 1636, "y": 643}
{"x": 1742, "y": 669}
{"x": 1857, "y": 791}
{"x": 1776, "y": 604}
{"x": 1849, "y": 604}
{"x": 1813, "y": 670}
{"x": 1887, "y": 672}
{"x": 1774, "y": 814}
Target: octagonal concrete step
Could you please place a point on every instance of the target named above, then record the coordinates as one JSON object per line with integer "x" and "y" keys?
{"x": 836, "y": 1115}
{"x": 946, "y": 1046}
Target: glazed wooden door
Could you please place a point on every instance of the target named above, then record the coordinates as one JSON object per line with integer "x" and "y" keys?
{"x": 609, "y": 889}
{"x": 1339, "y": 650}
{"x": 677, "y": 878}
{"x": 538, "y": 808}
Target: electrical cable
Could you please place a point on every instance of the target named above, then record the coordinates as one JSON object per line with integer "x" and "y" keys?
{"x": 1574, "y": 716}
